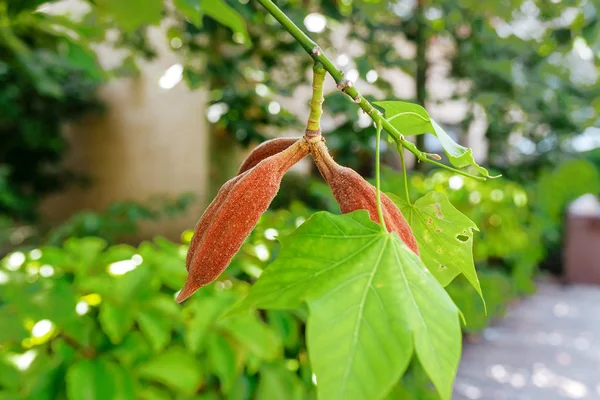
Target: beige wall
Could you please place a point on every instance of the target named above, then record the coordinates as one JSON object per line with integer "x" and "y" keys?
{"x": 151, "y": 141}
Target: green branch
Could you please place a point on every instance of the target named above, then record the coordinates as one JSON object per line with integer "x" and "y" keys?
{"x": 347, "y": 86}
{"x": 401, "y": 150}
{"x": 313, "y": 127}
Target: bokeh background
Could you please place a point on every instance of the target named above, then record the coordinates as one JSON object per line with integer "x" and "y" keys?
{"x": 119, "y": 121}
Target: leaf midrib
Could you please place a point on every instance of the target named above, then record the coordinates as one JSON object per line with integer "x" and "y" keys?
{"x": 359, "y": 317}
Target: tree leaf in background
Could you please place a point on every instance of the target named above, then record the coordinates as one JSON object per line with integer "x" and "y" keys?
{"x": 225, "y": 15}
{"x": 253, "y": 334}
{"x": 156, "y": 327}
{"x": 175, "y": 368}
{"x": 207, "y": 310}
{"x": 115, "y": 320}
{"x": 154, "y": 393}
{"x": 99, "y": 379}
{"x": 444, "y": 236}
{"x": 277, "y": 382}
{"x": 132, "y": 349}
{"x": 132, "y": 14}
{"x": 286, "y": 325}
{"x": 84, "y": 252}
{"x": 371, "y": 302}
{"x": 222, "y": 359}
{"x": 191, "y": 10}
{"x": 412, "y": 119}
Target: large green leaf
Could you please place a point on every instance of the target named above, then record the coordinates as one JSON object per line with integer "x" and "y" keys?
{"x": 412, "y": 119}
{"x": 444, "y": 236}
{"x": 371, "y": 301}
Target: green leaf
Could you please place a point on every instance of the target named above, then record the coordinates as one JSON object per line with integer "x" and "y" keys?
{"x": 225, "y": 15}
{"x": 371, "y": 301}
{"x": 207, "y": 310}
{"x": 115, "y": 320}
{"x": 175, "y": 368}
{"x": 222, "y": 359}
{"x": 276, "y": 382}
{"x": 156, "y": 328}
{"x": 191, "y": 10}
{"x": 98, "y": 379}
{"x": 154, "y": 393}
{"x": 132, "y": 14}
{"x": 412, "y": 119}
{"x": 286, "y": 325}
{"x": 444, "y": 236}
{"x": 257, "y": 337}
{"x": 85, "y": 252}
{"x": 132, "y": 349}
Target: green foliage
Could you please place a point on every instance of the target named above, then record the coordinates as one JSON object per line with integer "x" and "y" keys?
{"x": 138, "y": 342}
{"x": 120, "y": 220}
{"x": 111, "y": 328}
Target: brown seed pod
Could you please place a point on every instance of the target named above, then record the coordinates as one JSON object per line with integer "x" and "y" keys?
{"x": 264, "y": 150}
{"x": 232, "y": 215}
{"x": 353, "y": 193}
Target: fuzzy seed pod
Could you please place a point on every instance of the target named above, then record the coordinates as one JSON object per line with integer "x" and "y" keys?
{"x": 233, "y": 214}
{"x": 353, "y": 193}
{"x": 264, "y": 150}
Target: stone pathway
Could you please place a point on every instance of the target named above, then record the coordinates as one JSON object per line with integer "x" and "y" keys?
{"x": 547, "y": 348}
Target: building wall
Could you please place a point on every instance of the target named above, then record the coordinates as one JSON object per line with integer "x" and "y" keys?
{"x": 150, "y": 142}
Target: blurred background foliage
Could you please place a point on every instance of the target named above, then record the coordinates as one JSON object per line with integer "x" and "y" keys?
{"x": 86, "y": 316}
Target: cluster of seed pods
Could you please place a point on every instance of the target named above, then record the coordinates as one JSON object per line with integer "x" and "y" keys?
{"x": 237, "y": 207}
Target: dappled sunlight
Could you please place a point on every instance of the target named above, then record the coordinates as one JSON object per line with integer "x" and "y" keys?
{"x": 171, "y": 77}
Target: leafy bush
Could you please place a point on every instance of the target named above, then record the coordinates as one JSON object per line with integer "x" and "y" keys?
{"x": 86, "y": 319}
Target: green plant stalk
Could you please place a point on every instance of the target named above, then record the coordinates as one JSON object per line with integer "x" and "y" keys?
{"x": 347, "y": 87}
{"x": 401, "y": 151}
{"x": 313, "y": 127}
{"x": 378, "y": 178}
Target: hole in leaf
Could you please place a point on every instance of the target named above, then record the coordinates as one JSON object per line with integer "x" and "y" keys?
{"x": 462, "y": 238}
{"x": 440, "y": 215}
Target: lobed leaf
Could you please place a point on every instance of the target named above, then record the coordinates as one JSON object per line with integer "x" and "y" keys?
{"x": 371, "y": 301}
{"x": 444, "y": 235}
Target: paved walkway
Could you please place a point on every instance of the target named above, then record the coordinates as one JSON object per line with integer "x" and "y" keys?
{"x": 547, "y": 348}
